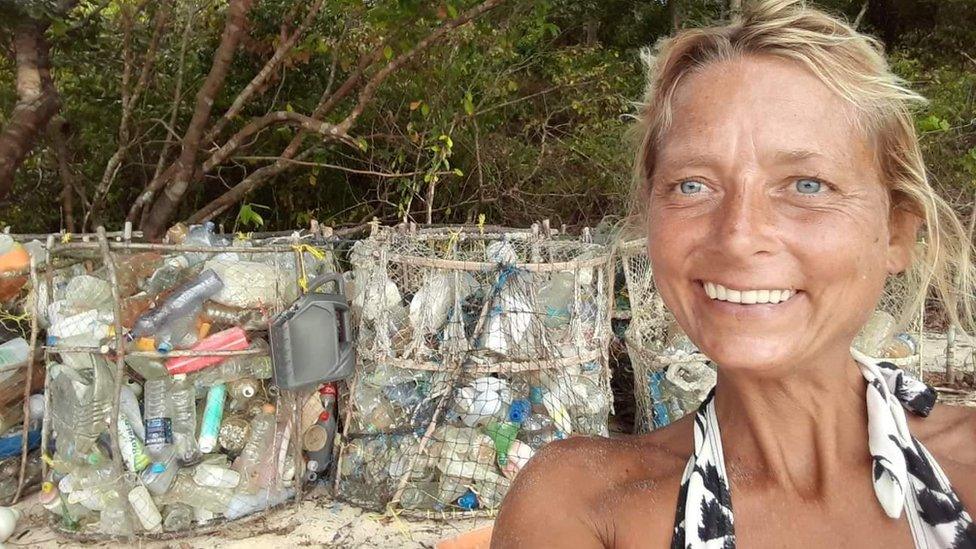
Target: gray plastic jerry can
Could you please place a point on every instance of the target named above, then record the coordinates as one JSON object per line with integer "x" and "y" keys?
{"x": 311, "y": 341}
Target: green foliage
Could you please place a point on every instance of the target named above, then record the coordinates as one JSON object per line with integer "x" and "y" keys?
{"x": 519, "y": 116}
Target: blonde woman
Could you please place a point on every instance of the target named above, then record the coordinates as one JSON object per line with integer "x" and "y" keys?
{"x": 780, "y": 184}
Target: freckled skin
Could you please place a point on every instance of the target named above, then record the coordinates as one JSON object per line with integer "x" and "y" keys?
{"x": 790, "y": 400}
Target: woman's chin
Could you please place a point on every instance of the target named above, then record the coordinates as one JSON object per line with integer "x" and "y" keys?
{"x": 763, "y": 356}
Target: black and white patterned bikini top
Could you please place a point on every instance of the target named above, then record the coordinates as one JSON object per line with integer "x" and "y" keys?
{"x": 906, "y": 476}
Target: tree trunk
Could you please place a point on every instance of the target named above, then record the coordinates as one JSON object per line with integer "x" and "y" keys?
{"x": 165, "y": 206}
{"x": 37, "y": 100}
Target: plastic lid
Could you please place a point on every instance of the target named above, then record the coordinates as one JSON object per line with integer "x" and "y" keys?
{"x": 248, "y": 391}
{"x": 315, "y": 438}
{"x": 157, "y": 468}
{"x": 324, "y": 416}
{"x": 94, "y": 458}
{"x": 47, "y": 487}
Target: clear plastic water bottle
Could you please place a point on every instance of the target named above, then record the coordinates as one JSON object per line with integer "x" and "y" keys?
{"x": 13, "y": 352}
{"x": 319, "y": 438}
{"x": 158, "y": 417}
{"x": 183, "y": 398}
{"x": 237, "y": 367}
{"x": 177, "y": 517}
{"x": 185, "y": 301}
{"x": 260, "y": 439}
{"x": 168, "y": 275}
{"x": 158, "y": 477}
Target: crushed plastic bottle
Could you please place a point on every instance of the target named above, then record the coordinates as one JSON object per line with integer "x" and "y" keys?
{"x": 185, "y": 301}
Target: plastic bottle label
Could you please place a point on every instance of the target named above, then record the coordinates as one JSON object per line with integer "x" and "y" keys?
{"x": 159, "y": 431}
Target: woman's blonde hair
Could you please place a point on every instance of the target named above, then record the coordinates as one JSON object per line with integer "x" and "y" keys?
{"x": 853, "y": 65}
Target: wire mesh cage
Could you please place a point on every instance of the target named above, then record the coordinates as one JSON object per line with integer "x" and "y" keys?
{"x": 21, "y": 376}
{"x": 161, "y": 416}
{"x": 477, "y": 347}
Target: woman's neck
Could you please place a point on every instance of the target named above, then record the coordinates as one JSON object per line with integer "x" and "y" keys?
{"x": 795, "y": 426}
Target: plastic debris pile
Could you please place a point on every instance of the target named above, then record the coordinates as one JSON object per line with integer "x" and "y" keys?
{"x": 162, "y": 416}
{"x": 476, "y": 349}
{"x": 20, "y": 421}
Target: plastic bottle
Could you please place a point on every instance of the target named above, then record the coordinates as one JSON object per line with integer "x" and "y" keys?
{"x": 519, "y": 410}
{"x": 158, "y": 477}
{"x": 227, "y": 316}
{"x": 144, "y": 508}
{"x": 244, "y": 504}
{"x": 177, "y": 517}
{"x": 133, "y": 452}
{"x": 237, "y": 367}
{"x": 132, "y": 269}
{"x": 212, "y": 414}
{"x": 158, "y": 417}
{"x": 183, "y": 403}
{"x": 129, "y": 407}
{"x": 318, "y": 439}
{"x": 208, "y": 474}
{"x": 243, "y": 390}
{"x": 234, "y": 433}
{"x": 14, "y": 352}
{"x": 185, "y": 490}
{"x": 537, "y": 430}
{"x": 181, "y": 333}
{"x": 555, "y": 299}
{"x": 233, "y": 339}
{"x": 262, "y": 432}
{"x": 168, "y": 275}
{"x": 660, "y": 413}
{"x": 86, "y": 291}
{"x": 181, "y": 303}
{"x": 502, "y": 434}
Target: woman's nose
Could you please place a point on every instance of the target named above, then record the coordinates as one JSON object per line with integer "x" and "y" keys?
{"x": 744, "y": 224}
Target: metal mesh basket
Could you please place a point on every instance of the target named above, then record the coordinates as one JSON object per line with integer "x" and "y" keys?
{"x": 476, "y": 348}
{"x": 161, "y": 422}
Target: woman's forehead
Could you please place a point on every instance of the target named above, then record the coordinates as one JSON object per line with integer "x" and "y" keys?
{"x": 771, "y": 108}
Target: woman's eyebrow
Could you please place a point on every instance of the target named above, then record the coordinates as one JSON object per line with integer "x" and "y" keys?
{"x": 795, "y": 155}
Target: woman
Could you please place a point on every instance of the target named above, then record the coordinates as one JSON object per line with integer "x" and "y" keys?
{"x": 781, "y": 184}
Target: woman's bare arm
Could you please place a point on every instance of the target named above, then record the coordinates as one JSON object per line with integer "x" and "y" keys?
{"x": 547, "y": 505}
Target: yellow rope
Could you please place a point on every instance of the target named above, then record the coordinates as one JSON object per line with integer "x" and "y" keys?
{"x": 317, "y": 253}
{"x": 65, "y": 238}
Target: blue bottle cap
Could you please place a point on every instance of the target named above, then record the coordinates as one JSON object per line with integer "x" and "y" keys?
{"x": 51, "y": 341}
{"x": 164, "y": 347}
{"x": 519, "y": 410}
{"x": 535, "y": 395}
{"x": 157, "y": 468}
{"x": 468, "y": 501}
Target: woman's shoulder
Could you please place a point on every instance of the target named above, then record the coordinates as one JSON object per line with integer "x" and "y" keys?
{"x": 948, "y": 431}
{"x": 584, "y": 487}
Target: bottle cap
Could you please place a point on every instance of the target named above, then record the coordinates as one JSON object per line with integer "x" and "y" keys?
{"x": 535, "y": 395}
{"x": 157, "y": 468}
{"x": 315, "y": 438}
{"x": 468, "y": 501}
{"x": 519, "y": 410}
{"x": 324, "y": 416}
{"x": 327, "y": 389}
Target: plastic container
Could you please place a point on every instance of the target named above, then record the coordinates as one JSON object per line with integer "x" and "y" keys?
{"x": 311, "y": 342}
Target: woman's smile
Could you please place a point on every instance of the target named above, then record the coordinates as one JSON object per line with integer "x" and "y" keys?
{"x": 746, "y": 302}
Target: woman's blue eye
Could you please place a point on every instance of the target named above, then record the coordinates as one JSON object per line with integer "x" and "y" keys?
{"x": 808, "y": 186}
{"x": 691, "y": 187}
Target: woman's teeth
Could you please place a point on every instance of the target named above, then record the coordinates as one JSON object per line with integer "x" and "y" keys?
{"x": 746, "y": 297}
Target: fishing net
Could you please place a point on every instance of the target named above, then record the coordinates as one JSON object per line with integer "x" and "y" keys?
{"x": 476, "y": 348}
{"x": 162, "y": 418}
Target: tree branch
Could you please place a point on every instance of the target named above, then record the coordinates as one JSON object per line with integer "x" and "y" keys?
{"x": 165, "y": 205}
{"x": 368, "y": 91}
{"x": 257, "y": 83}
{"x": 37, "y": 101}
{"x": 262, "y": 175}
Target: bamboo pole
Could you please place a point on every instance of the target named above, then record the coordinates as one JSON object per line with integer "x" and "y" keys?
{"x": 113, "y": 425}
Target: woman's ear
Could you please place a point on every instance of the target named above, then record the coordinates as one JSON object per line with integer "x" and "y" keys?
{"x": 902, "y": 236}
